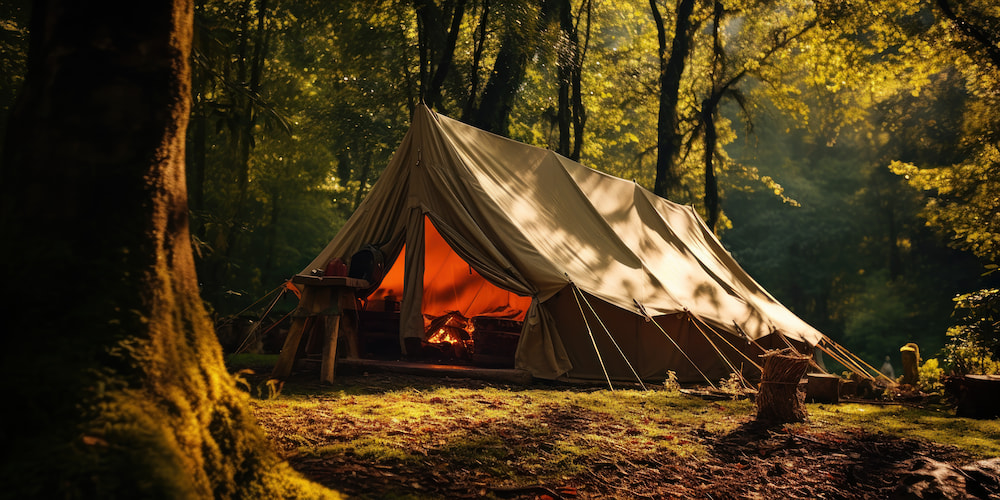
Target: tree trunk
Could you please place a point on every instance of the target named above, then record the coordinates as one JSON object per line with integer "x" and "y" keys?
{"x": 516, "y": 48}
{"x": 568, "y": 71}
{"x": 505, "y": 80}
{"x": 779, "y": 400}
{"x": 711, "y": 183}
{"x": 709, "y": 105}
{"x": 668, "y": 135}
{"x": 579, "y": 112}
{"x": 109, "y": 356}
{"x": 248, "y": 120}
{"x": 479, "y": 43}
{"x": 432, "y": 20}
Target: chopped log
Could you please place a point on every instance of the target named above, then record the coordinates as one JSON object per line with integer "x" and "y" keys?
{"x": 779, "y": 400}
{"x": 822, "y": 388}
{"x": 975, "y": 395}
{"x": 910, "y": 355}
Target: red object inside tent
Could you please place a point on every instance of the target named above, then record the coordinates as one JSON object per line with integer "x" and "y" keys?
{"x": 451, "y": 285}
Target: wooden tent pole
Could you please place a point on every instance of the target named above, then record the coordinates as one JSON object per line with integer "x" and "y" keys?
{"x": 857, "y": 359}
{"x": 850, "y": 362}
{"x": 751, "y": 340}
{"x": 847, "y": 363}
{"x": 724, "y": 339}
{"x": 785, "y": 339}
{"x": 244, "y": 344}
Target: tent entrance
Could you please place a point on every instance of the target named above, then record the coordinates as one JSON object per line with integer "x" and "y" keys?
{"x": 467, "y": 319}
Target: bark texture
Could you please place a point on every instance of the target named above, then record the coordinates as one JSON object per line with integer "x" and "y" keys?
{"x": 668, "y": 135}
{"x": 114, "y": 379}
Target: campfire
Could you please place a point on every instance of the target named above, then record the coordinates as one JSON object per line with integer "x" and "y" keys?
{"x": 450, "y": 336}
{"x": 481, "y": 340}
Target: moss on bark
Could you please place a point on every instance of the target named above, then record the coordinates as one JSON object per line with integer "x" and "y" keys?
{"x": 115, "y": 383}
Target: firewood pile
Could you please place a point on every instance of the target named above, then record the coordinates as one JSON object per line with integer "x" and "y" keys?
{"x": 779, "y": 399}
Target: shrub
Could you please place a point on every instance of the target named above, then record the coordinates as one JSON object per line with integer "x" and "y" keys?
{"x": 930, "y": 377}
{"x": 974, "y": 342}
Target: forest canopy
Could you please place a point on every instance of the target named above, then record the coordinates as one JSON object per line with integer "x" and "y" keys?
{"x": 846, "y": 152}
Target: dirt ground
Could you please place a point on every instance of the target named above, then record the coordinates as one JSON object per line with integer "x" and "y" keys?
{"x": 747, "y": 462}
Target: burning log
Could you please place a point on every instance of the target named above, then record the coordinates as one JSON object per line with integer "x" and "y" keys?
{"x": 448, "y": 339}
{"x": 779, "y": 399}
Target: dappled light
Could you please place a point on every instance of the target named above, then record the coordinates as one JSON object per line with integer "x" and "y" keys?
{"x": 575, "y": 232}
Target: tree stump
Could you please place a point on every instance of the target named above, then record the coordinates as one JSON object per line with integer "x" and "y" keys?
{"x": 910, "y": 355}
{"x": 822, "y": 388}
{"x": 779, "y": 400}
{"x": 975, "y": 395}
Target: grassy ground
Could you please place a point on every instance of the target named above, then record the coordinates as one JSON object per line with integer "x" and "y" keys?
{"x": 387, "y": 436}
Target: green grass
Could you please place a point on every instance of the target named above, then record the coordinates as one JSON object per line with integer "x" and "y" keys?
{"x": 417, "y": 429}
{"x": 978, "y": 437}
{"x": 545, "y": 432}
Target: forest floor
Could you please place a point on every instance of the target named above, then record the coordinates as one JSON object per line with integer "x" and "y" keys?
{"x": 396, "y": 436}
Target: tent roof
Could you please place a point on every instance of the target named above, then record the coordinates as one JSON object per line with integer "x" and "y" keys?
{"x": 539, "y": 218}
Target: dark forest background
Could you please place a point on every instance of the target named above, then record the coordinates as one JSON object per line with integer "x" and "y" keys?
{"x": 845, "y": 152}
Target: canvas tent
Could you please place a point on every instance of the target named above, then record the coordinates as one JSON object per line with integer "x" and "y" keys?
{"x": 609, "y": 279}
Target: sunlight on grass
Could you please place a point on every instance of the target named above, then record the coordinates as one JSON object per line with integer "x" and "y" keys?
{"x": 523, "y": 436}
{"x": 979, "y": 437}
{"x": 374, "y": 449}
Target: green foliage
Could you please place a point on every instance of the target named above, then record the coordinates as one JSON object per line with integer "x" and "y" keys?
{"x": 963, "y": 199}
{"x": 326, "y": 114}
{"x": 930, "y": 376}
{"x": 819, "y": 99}
{"x": 974, "y": 342}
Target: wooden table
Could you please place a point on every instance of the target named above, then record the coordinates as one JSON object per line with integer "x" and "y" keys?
{"x": 321, "y": 299}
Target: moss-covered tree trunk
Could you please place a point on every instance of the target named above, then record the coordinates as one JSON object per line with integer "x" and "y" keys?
{"x": 113, "y": 382}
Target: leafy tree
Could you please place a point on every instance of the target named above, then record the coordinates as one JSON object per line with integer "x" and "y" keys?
{"x": 960, "y": 53}
{"x": 974, "y": 342}
{"x": 328, "y": 116}
{"x": 124, "y": 391}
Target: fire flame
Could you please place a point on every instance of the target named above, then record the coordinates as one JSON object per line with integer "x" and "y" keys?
{"x": 444, "y": 335}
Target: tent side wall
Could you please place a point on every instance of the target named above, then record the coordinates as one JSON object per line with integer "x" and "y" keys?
{"x": 650, "y": 353}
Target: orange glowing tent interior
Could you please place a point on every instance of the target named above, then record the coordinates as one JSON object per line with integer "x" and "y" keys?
{"x": 450, "y": 285}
